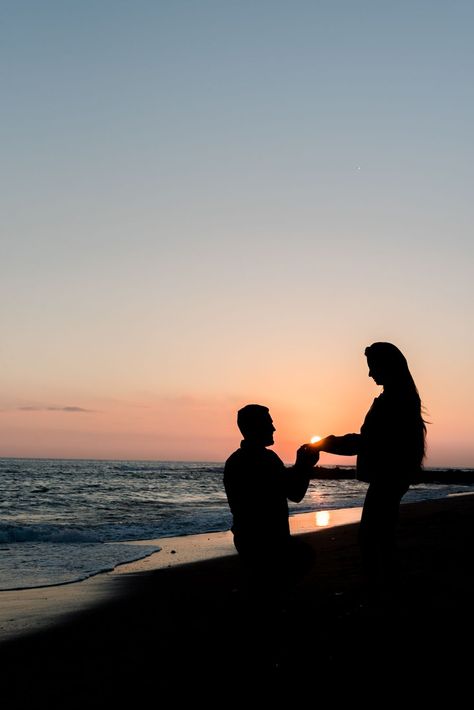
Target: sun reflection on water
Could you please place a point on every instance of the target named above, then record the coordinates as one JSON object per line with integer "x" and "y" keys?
{"x": 322, "y": 518}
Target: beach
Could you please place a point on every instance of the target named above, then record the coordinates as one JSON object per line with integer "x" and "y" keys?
{"x": 184, "y": 625}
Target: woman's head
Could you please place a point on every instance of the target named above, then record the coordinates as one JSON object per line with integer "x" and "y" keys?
{"x": 388, "y": 367}
{"x": 387, "y": 364}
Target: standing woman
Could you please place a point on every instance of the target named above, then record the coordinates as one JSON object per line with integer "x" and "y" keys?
{"x": 390, "y": 451}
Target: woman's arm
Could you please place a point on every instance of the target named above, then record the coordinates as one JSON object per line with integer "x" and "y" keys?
{"x": 347, "y": 445}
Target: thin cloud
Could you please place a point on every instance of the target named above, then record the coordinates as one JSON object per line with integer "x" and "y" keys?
{"x": 73, "y": 409}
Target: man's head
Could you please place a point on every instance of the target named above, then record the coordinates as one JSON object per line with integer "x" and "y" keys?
{"x": 256, "y": 424}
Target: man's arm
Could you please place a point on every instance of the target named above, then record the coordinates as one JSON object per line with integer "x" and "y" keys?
{"x": 298, "y": 476}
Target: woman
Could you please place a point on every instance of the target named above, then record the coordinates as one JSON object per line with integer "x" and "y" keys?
{"x": 390, "y": 451}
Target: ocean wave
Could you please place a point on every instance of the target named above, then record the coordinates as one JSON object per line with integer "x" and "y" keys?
{"x": 44, "y": 565}
{"x": 32, "y": 533}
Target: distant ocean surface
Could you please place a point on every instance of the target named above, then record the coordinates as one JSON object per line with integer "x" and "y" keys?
{"x": 65, "y": 520}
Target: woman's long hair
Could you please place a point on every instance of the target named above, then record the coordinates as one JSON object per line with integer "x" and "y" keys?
{"x": 393, "y": 363}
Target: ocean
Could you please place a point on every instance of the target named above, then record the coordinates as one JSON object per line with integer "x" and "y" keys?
{"x": 65, "y": 520}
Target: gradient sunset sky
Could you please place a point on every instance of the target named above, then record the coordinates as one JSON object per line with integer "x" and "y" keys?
{"x": 211, "y": 203}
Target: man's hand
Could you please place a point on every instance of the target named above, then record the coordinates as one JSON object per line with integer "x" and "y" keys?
{"x": 307, "y": 456}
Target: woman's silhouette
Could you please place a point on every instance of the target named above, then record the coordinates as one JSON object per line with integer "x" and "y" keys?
{"x": 390, "y": 451}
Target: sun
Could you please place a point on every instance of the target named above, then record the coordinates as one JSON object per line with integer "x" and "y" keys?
{"x": 314, "y": 439}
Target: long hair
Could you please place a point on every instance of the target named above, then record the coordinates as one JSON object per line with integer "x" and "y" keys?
{"x": 388, "y": 357}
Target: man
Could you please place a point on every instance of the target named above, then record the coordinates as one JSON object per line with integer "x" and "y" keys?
{"x": 258, "y": 487}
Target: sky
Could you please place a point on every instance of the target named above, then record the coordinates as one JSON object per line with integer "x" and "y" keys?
{"x": 206, "y": 204}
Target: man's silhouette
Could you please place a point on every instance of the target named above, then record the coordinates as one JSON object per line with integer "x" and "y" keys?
{"x": 258, "y": 486}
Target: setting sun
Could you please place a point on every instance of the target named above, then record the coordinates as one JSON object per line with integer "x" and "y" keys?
{"x": 314, "y": 439}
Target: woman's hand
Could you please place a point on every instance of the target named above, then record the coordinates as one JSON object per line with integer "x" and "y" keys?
{"x": 324, "y": 444}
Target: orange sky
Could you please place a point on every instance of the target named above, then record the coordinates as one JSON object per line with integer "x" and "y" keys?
{"x": 200, "y": 427}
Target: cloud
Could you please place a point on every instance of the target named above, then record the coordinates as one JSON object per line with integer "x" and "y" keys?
{"x": 73, "y": 409}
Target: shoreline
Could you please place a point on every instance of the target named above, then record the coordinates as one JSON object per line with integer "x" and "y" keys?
{"x": 186, "y": 628}
{"x": 26, "y": 611}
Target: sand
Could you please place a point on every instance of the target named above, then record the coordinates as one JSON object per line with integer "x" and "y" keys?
{"x": 171, "y": 629}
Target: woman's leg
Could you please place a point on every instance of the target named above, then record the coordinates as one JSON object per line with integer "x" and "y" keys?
{"x": 378, "y": 525}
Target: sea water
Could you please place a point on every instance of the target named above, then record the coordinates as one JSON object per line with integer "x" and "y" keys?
{"x": 65, "y": 520}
